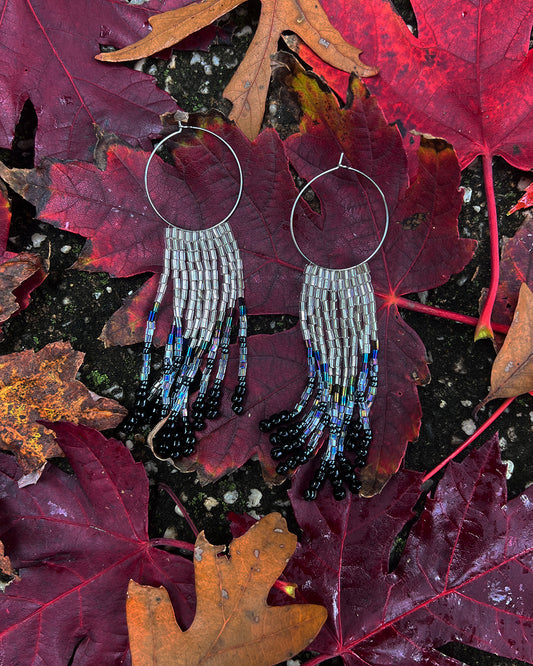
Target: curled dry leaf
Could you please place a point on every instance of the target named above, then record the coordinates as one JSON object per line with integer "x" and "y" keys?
{"x": 233, "y": 622}
{"x": 41, "y": 386}
{"x": 7, "y": 573}
{"x": 249, "y": 85}
{"x": 19, "y": 273}
{"x": 512, "y": 371}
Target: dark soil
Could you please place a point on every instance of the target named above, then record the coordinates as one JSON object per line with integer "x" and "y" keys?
{"x": 73, "y": 305}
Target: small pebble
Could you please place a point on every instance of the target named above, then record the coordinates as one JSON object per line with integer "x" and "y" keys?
{"x": 150, "y": 467}
{"x": 108, "y": 289}
{"x": 468, "y": 427}
{"x": 215, "y": 60}
{"x": 178, "y": 511}
{"x": 171, "y": 533}
{"x": 66, "y": 249}
{"x": 97, "y": 294}
{"x": 129, "y": 444}
{"x": 254, "y": 498}
{"x": 443, "y": 404}
{"x": 467, "y": 194}
{"x": 502, "y": 442}
{"x": 210, "y": 503}
{"x": 466, "y": 403}
{"x": 38, "y": 239}
{"x": 231, "y": 497}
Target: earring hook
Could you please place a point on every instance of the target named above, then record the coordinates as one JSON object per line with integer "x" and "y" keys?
{"x": 170, "y": 136}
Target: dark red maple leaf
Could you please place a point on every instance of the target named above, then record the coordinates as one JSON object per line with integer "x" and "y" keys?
{"x": 47, "y": 55}
{"x": 465, "y": 574}
{"x": 422, "y": 248}
{"x": 76, "y": 542}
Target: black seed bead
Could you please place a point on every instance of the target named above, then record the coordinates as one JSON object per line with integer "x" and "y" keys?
{"x": 274, "y": 439}
{"x": 276, "y": 453}
{"x": 339, "y": 493}
{"x": 238, "y": 409}
{"x": 310, "y": 495}
{"x": 199, "y": 425}
{"x": 366, "y": 437}
{"x": 354, "y": 485}
{"x": 187, "y": 450}
{"x": 237, "y": 399}
{"x": 282, "y": 468}
{"x": 292, "y": 462}
{"x": 275, "y": 420}
{"x": 288, "y": 446}
{"x": 214, "y": 394}
{"x": 293, "y": 430}
{"x": 284, "y": 416}
{"x": 217, "y": 383}
{"x": 265, "y": 425}
{"x": 212, "y": 414}
{"x": 240, "y": 390}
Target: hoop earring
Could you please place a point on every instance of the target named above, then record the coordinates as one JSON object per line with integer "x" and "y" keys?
{"x": 338, "y": 322}
{"x": 207, "y": 289}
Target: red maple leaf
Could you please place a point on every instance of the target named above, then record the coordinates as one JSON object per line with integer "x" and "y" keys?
{"x": 465, "y": 574}
{"x": 466, "y": 77}
{"x": 47, "y": 55}
{"x": 76, "y": 542}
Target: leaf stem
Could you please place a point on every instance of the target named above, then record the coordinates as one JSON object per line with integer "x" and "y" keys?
{"x": 172, "y": 543}
{"x": 180, "y": 506}
{"x": 407, "y": 304}
{"x": 484, "y": 328}
{"x": 469, "y": 441}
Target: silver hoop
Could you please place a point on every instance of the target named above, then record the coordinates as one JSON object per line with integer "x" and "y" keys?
{"x": 170, "y": 136}
{"x": 340, "y": 165}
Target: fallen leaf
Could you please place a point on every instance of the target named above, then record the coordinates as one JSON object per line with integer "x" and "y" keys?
{"x": 76, "y": 542}
{"x": 512, "y": 370}
{"x": 465, "y": 573}
{"x": 233, "y": 622}
{"x": 41, "y": 386}
{"x": 516, "y": 268}
{"x": 47, "y": 56}
{"x": 525, "y": 201}
{"x": 7, "y": 574}
{"x": 19, "y": 273}
{"x": 465, "y": 77}
{"x": 249, "y": 86}
{"x": 422, "y": 248}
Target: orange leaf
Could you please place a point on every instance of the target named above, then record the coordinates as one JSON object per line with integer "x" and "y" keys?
{"x": 42, "y": 386}
{"x": 249, "y": 85}
{"x": 233, "y": 622}
{"x": 512, "y": 372}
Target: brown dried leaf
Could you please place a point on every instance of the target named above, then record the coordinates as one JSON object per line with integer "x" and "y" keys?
{"x": 512, "y": 372}
{"x": 7, "y": 573}
{"x": 249, "y": 85}
{"x": 233, "y": 622}
{"x": 42, "y": 386}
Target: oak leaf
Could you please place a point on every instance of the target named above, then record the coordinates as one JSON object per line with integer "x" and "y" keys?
{"x": 42, "y": 386}
{"x": 249, "y": 85}
{"x": 512, "y": 371}
{"x": 233, "y": 622}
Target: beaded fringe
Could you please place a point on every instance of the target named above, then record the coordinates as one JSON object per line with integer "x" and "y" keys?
{"x": 206, "y": 272}
{"x": 338, "y": 321}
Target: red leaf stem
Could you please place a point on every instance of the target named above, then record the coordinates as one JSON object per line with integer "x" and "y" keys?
{"x": 469, "y": 441}
{"x": 180, "y": 506}
{"x": 484, "y": 327}
{"x": 172, "y": 543}
{"x": 415, "y": 306}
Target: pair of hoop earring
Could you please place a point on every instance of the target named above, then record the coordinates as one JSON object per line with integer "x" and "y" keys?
{"x": 338, "y": 322}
